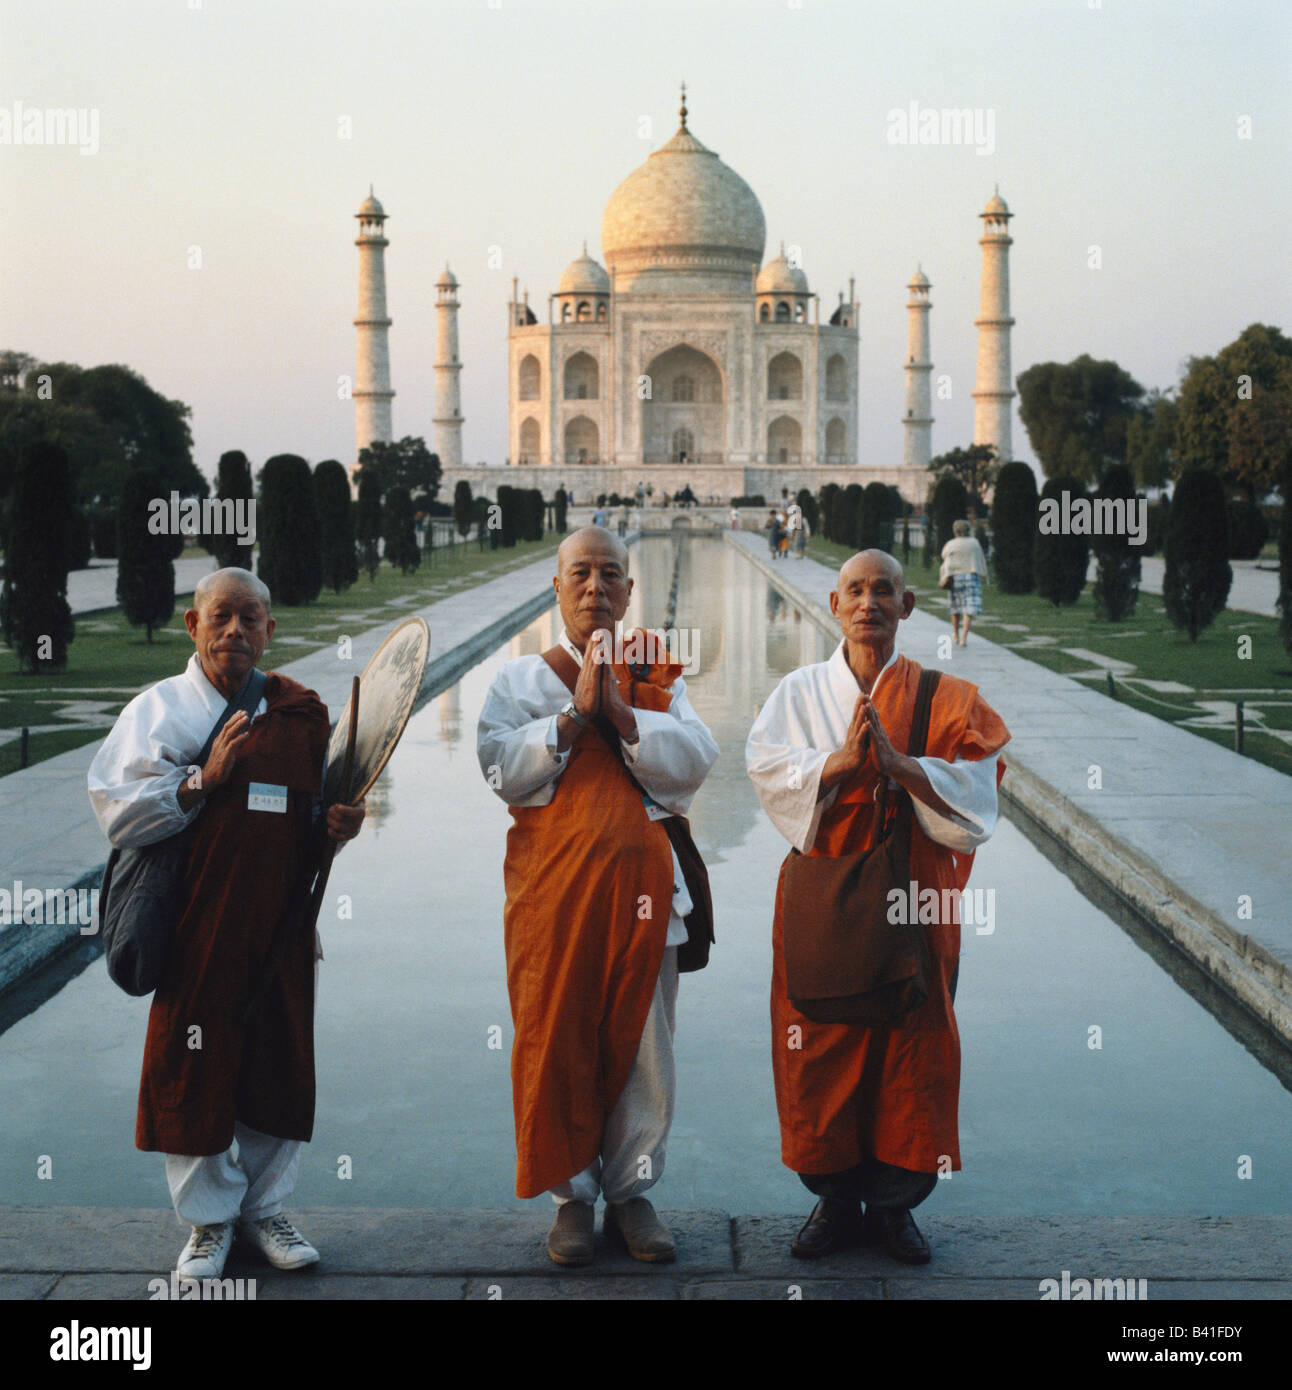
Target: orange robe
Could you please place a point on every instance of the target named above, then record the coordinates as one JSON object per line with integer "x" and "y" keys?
{"x": 589, "y": 881}
{"x": 890, "y": 1093}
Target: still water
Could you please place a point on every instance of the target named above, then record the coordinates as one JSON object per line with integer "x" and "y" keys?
{"x": 413, "y": 994}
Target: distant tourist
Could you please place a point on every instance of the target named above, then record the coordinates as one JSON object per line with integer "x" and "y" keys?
{"x": 249, "y": 1080}
{"x": 597, "y": 765}
{"x": 735, "y": 519}
{"x": 869, "y": 1110}
{"x": 773, "y": 524}
{"x": 966, "y": 566}
{"x": 599, "y": 515}
{"x": 623, "y": 520}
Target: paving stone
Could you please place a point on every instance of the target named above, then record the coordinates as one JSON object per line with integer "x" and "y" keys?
{"x": 798, "y": 1290}
{"x": 26, "y": 1286}
{"x": 575, "y": 1287}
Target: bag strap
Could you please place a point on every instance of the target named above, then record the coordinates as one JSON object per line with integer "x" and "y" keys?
{"x": 253, "y": 689}
{"x": 916, "y": 744}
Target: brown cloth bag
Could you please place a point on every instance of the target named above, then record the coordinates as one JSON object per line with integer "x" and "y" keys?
{"x": 693, "y": 954}
{"x": 845, "y": 962}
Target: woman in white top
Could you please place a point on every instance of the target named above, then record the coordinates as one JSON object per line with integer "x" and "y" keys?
{"x": 963, "y": 560}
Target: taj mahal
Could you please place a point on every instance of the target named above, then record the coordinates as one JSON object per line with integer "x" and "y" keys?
{"x": 681, "y": 358}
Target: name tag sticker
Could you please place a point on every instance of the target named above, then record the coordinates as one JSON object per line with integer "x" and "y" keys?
{"x": 654, "y": 811}
{"x": 265, "y": 796}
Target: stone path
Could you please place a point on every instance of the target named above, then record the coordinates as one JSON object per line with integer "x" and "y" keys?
{"x": 94, "y": 588}
{"x": 1192, "y": 835}
{"x": 1255, "y": 587}
{"x": 372, "y": 1253}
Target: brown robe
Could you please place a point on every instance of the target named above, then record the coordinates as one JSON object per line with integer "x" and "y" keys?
{"x": 243, "y": 868}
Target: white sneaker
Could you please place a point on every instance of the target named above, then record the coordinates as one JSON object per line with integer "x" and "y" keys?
{"x": 206, "y": 1252}
{"x": 279, "y": 1242}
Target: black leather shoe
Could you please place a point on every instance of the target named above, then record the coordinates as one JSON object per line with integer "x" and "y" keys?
{"x": 894, "y": 1228}
{"x": 833, "y": 1225}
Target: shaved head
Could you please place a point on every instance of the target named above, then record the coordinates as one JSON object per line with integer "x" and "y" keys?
{"x": 231, "y": 576}
{"x": 595, "y": 536}
{"x": 868, "y": 560}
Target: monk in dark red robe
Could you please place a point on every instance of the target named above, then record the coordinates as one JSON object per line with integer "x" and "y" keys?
{"x": 227, "y": 1090}
{"x": 869, "y": 1114}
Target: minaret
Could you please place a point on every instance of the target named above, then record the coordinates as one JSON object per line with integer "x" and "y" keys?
{"x": 372, "y": 393}
{"x": 917, "y": 447}
{"x": 994, "y": 389}
{"x": 448, "y": 399}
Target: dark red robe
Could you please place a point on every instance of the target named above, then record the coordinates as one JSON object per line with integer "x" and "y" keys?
{"x": 204, "y": 1067}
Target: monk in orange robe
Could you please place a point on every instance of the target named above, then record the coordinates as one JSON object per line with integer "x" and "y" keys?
{"x": 593, "y": 753}
{"x": 868, "y": 1115}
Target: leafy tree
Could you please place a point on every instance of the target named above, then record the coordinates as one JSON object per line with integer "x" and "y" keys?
{"x": 874, "y": 526}
{"x": 976, "y": 467}
{"x": 407, "y": 464}
{"x": 462, "y": 509}
{"x": 1060, "y": 561}
{"x": 1013, "y": 515}
{"x": 1117, "y": 567}
{"x": 1217, "y": 391}
{"x": 34, "y": 613}
{"x": 368, "y": 522}
{"x": 233, "y": 483}
{"x": 826, "y": 510}
{"x": 336, "y": 525}
{"x": 399, "y": 530}
{"x": 949, "y": 503}
{"x": 1150, "y": 441}
{"x": 562, "y": 503}
{"x": 145, "y": 558}
{"x": 850, "y": 521}
{"x": 1077, "y": 414}
{"x": 103, "y": 532}
{"x": 1285, "y": 557}
{"x": 291, "y": 557}
{"x": 136, "y": 427}
{"x": 1197, "y": 578}
{"x": 1247, "y": 528}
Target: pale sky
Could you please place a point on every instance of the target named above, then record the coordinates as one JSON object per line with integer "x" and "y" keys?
{"x": 508, "y": 124}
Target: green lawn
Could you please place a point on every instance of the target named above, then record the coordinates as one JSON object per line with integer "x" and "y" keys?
{"x": 109, "y": 661}
{"x": 1193, "y": 685}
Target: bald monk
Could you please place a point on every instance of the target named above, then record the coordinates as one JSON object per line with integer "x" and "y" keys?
{"x": 869, "y": 1115}
{"x": 596, "y": 903}
{"x": 215, "y": 1077}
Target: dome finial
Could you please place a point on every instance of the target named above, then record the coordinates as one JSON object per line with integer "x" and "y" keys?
{"x": 682, "y": 113}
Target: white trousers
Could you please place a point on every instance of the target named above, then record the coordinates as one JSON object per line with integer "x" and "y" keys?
{"x": 636, "y": 1133}
{"x": 208, "y": 1191}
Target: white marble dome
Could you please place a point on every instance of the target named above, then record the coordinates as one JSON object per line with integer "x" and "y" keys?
{"x": 780, "y": 277}
{"x": 996, "y": 205}
{"x": 683, "y": 209}
{"x": 370, "y": 207}
{"x": 584, "y": 276}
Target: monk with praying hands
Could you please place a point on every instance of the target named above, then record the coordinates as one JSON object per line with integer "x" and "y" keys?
{"x": 598, "y": 753}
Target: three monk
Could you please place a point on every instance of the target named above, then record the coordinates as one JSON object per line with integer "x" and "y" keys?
{"x": 593, "y": 751}
{"x": 868, "y": 1115}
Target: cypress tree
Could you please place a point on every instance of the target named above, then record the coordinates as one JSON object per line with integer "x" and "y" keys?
{"x": 462, "y": 508}
{"x": 872, "y": 514}
{"x": 291, "y": 557}
{"x": 145, "y": 559}
{"x": 1013, "y": 515}
{"x": 1285, "y": 557}
{"x": 1116, "y": 560}
{"x": 949, "y": 504}
{"x": 562, "y": 504}
{"x": 1060, "y": 561}
{"x": 367, "y": 520}
{"x": 826, "y": 510}
{"x": 336, "y": 525}
{"x": 34, "y": 613}
{"x": 399, "y": 530}
{"x": 233, "y": 481}
{"x": 851, "y": 518}
{"x": 1198, "y": 575}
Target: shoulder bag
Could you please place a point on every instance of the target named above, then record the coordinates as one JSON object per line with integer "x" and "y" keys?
{"x": 141, "y": 892}
{"x": 845, "y": 962}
